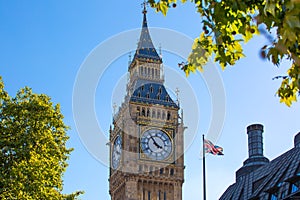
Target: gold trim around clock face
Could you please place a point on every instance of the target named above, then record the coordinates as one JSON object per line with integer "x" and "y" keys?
{"x": 116, "y": 152}
{"x": 156, "y": 144}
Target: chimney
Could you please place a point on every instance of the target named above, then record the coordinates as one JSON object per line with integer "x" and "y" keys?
{"x": 255, "y": 140}
{"x": 297, "y": 140}
{"x": 255, "y": 149}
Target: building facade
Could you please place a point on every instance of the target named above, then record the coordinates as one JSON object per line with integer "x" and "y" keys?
{"x": 261, "y": 179}
{"x": 146, "y": 137}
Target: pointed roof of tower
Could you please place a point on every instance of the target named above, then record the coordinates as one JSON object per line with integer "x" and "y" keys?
{"x": 145, "y": 49}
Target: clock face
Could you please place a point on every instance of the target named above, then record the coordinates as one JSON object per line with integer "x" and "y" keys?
{"x": 156, "y": 144}
{"x": 116, "y": 152}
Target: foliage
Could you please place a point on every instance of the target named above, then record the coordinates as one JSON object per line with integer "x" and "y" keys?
{"x": 33, "y": 147}
{"x": 227, "y": 24}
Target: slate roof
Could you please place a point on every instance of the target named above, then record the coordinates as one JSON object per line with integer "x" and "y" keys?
{"x": 274, "y": 177}
{"x": 145, "y": 49}
{"x": 152, "y": 93}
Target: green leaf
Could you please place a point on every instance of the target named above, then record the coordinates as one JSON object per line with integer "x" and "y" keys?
{"x": 270, "y": 7}
{"x": 292, "y": 21}
{"x": 226, "y": 22}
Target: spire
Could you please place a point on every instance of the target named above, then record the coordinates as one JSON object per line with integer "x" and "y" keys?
{"x": 145, "y": 49}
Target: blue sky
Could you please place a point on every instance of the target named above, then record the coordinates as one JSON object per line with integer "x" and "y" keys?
{"x": 44, "y": 45}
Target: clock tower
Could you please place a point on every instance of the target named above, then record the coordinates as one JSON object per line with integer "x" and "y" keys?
{"x": 146, "y": 137}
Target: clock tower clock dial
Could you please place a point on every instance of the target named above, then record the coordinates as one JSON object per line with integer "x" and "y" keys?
{"x": 156, "y": 144}
{"x": 116, "y": 152}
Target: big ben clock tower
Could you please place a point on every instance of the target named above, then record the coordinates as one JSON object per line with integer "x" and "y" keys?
{"x": 146, "y": 137}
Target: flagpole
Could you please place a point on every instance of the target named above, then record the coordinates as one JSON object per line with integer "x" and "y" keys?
{"x": 204, "y": 181}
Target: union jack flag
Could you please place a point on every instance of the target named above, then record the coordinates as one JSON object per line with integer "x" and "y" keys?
{"x": 209, "y": 147}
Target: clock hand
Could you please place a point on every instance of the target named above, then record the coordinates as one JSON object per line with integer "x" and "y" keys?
{"x": 155, "y": 143}
{"x": 118, "y": 151}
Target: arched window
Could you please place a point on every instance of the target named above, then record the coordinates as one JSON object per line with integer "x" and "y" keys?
{"x": 148, "y": 112}
{"x": 158, "y": 114}
{"x": 153, "y": 114}
{"x": 161, "y": 171}
{"x": 168, "y": 116}
{"x": 152, "y": 74}
{"x": 138, "y": 110}
{"x": 142, "y": 70}
{"x": 143, "y": 111}
{"x": 172, "y": 172}
{"x": 163, "y": 116}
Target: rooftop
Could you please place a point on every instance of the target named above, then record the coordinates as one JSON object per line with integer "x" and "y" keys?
{"x": 278, "y": 179}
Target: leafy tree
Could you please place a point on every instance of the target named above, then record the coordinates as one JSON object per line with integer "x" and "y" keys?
{"x": 227, "y": 24}
{"x": 33, "y": 150}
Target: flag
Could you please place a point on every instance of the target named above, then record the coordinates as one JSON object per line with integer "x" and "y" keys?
{"x": 209, "y": 147}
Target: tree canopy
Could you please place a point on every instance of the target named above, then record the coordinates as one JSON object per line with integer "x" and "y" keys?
{"x": 227, "y": 24}
{"x": 33, "y": 147}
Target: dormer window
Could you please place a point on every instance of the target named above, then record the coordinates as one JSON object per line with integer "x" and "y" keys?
{"x": 167, "y": 98}
{"x": 147, "y": 96}
{"x": 139, "y": 94}
{"x": 142, "y": 88}
{"x": 151, "y": 89}
{"x": 274, "y": 192}
{"x": 159, "y": 90}
{"x": 274, "y": 197}
{"x": 295, "y": 187}
{"x": 158, "y": 97}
